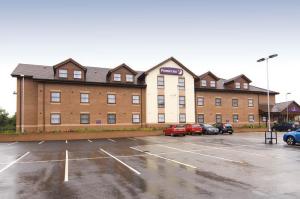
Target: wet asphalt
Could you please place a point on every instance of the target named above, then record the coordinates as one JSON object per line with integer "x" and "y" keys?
{"x": 212, "y": 166}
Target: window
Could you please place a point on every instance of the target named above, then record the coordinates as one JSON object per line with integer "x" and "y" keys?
{"x": 84, "y": 118}
{"x": 181, "y": 101}
{"x": 238, "y": 85}
{"x": 250, "y": 103}
{"x": 55, "y": 96}
{"x": 117, "y": 77}
{"x": 200, "y": 101}
{"x": 182, "y": 117}
{"x": 235, "y": 103}
{"x": 111, "y": 118}
{"x": 129, "y": 78}
{"x": 246, "y": 85}
{"x": 218, "y": 102}
{"x": 181, "y": 83}
{"x": 213, "y": 84}
{"x": 84, "y": 98}
{"x": 111, "y": 99}
{"x": 251, "y": 118}
{"x": 203, "y": 82}
{"x": 55, "y": 118}
{"x": 135, "y": 118}
{"x": 160, "y": 81}
{"x": 62, "y": 73}
{"x": 161, "y": 118}
{"x": 77, "y": 74}
{"x": 135, "y": 99}
{"x": 235, "y": 118}
{"x": 161, "y": 101}
{"x": 200, "y": 118}
{"x": 218, "y": 118}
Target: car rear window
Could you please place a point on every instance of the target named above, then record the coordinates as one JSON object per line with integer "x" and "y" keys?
{"x": 179, "y": 126}
{"x": 228, "y": 125}
{"x": 196, "y": 125}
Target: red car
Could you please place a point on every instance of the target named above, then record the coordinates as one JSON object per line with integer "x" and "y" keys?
{"x": 175, "y": 130}
{"x": 193, "y": 129}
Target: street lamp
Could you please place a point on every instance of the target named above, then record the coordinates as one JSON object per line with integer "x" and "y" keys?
{"x": 268, "y": 92}
{"x": 287, "y": 108}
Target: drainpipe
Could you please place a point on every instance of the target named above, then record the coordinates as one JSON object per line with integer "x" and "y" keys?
{"x": 22, "y": 111}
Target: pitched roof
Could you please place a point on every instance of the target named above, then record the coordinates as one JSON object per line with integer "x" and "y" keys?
{"x": 122, "y": 66}
{"x": 67, "y": 61}
{"x": 210, "y": 74}
{"x": 237, "y": 77}
{"x": 165, "y": 61}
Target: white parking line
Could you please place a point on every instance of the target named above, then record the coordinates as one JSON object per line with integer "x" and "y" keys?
{"x": 206, "y": 155}
{"x": 12, "y": 143}
{"x": 158, "y": 156}
{"x": 66, "y": 141}
{"x": 90, "y": 140}
{"x": 41, "y": 142}
{"x": 13, "y": 162}
{"x": 67, "y": 167}
{"x": 129, "y": 167}
{"x": 132, "y": 139}
{"x": 111, "y": 140}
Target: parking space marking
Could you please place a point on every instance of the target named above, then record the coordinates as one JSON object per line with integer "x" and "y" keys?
{"x": 168, "y": 159}
{"x": 90, "y": 140}
{"x": 67, "y": 167}
{"x": 41, "y": 142}
{"x": 129, "y": 167}
{"x": 132, "y": 139}
{"x": 111, "y": 140}
{"x": 66, "y": 141}
{"x": 201, "y": 154}
{"x": 12, "y": 143}
{"x": 13, "y": 162}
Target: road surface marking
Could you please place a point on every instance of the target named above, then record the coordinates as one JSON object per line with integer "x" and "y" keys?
{"x": 132, "y": 169}
{"x": 132, "y": 139}
{"x": 66, "y": 141}
{"x": 206, "y": 155}
{"x": 12, "y": 143}
{"x": 158, "y": 156}
{"x": 90, "y": 140}
{"x": 41, "y": 142}
{"x": 67, "y": 167}
{"x": 13, "y": 162}
{"x": 112, "y": 140}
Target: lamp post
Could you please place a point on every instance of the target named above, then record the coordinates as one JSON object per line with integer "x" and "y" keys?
{"x": 287, "y": 108}
{"x": 268, "y": 92}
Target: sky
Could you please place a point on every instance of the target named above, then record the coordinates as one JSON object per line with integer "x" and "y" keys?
{"x": 225, "y": 37}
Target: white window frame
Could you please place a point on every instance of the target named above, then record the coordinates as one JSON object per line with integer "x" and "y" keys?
{"x": 135, "y": 99}
{"x": 77, "y": 74}
{"x": 55, "y": 99}
{"x": 235, "y": 120}
{"x": 213, "y": 84}
{"x": 88, "y": 118}
{"x": 203, "y": 118}
{"x": 181, "y": 100}
{"x": 115, "y": 118}
{"x": 84, "y": 99}
{"x": 252, "y": 102}
{"x": 198, "y": 104}
{"x": 111, "y": 99}
{"x": 182, "y": 118}
{"x": 181, "y": 82}
{"x": 237, "y": 85}
{"x": 160, "y": 81}
{"x": 62, "y": 73}
{"x": 117, "y": 77}
{"x": 203, "y": 83}
{"x": 253, "y": 118}
{"x": 161, "y": 105}
{"x": 161, "y": 118}
{"x": 246, "y": 85}
{"x": 136, "y": 118}
{"x": 55, "y": 120}
{"x": 129, "y": 78}
{"x": 220, "y": 117}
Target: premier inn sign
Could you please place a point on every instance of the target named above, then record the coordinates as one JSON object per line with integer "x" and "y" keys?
{"x": 171, "y": 71}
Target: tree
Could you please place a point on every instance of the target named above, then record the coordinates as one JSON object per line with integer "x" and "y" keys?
{"x": 3, "y": 118}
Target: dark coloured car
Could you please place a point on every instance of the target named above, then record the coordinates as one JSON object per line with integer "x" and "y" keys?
{"x": 193, "y": 129}
{"x": 224, "y": 128}
{"x": 173, "y": 130}
{"x": 209, "y": 129}
{"x": 284, "y": 127}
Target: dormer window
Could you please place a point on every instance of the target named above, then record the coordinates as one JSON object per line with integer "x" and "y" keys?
{"x": 62, "y": 73}
{"x": 129, "y": 78}
{"x": 117, "y": 77}
{"x": 213, "y": 84}
{"x": 203, "y": 83}
{"x": 77, "y": 74}
{"x": 238, "y": 85}
{"x": 246, "y": 85}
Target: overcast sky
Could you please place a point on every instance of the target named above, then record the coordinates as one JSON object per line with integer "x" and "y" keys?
{"x": 225, "y": 37}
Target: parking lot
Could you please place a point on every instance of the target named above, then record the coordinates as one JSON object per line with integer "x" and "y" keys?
{"x": 221, "y": 166}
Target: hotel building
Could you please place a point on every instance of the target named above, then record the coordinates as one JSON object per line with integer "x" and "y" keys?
{"x": 69, "y": 96}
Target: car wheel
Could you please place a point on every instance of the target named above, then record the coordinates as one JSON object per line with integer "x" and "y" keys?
{"x": 290, "y": 140}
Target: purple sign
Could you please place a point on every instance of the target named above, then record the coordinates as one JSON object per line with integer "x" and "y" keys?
{"x": 171, "y": 71}
{"x": 98, "y": 121}
{"x": 294, "y": 109}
